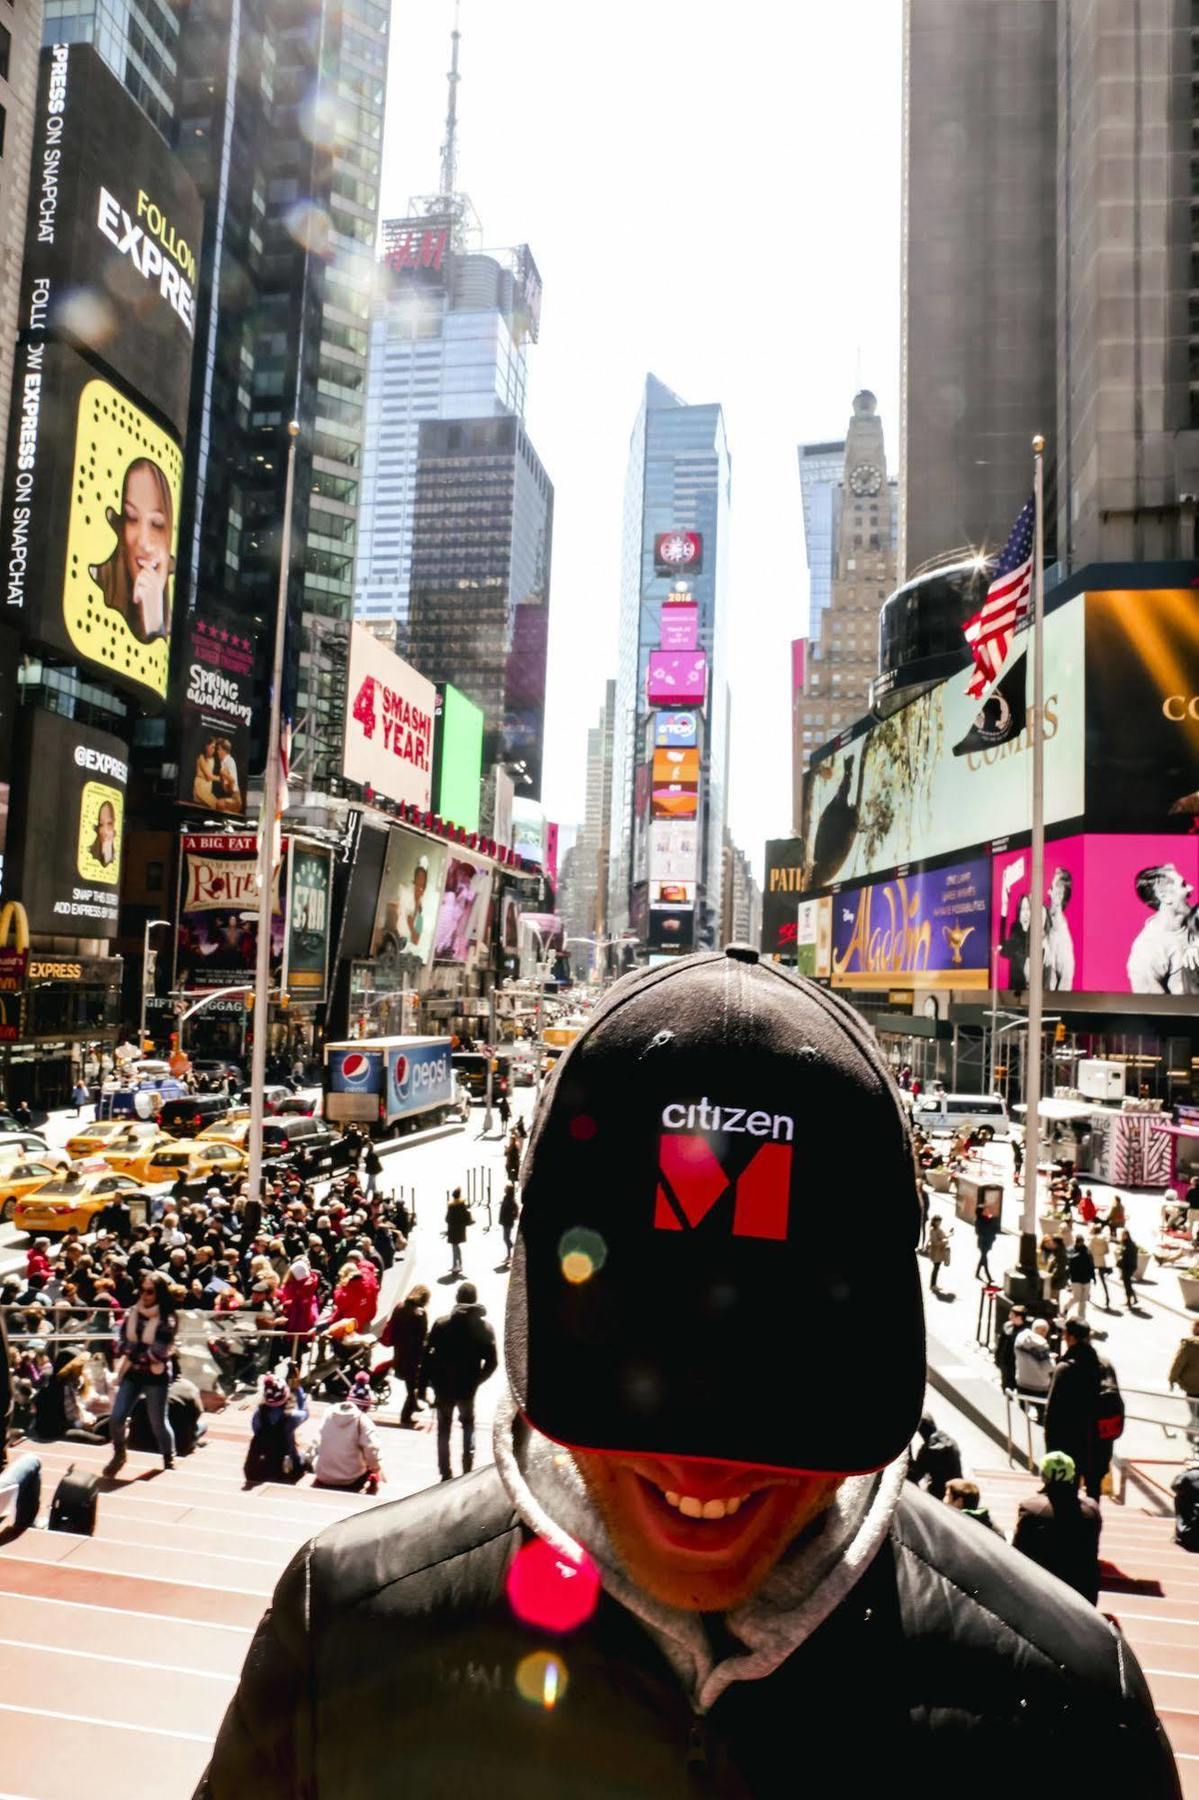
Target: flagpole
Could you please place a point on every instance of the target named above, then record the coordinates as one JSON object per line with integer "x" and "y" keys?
{"x": 1036, "y": 929}
{"x": 266, "y": 838}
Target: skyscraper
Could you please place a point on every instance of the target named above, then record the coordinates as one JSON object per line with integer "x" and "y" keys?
{"x": 843, "y": 647}
{"x": 448, "y": 341}
{"x": 281, "y": 127}
{"x": 583, "y": 903}
{"x": 138, "y": 39}
{"x": 478, "y": 613}
{"x": 677, "y": 480}
{"x": 821, "y": 469}
{"x": 1048, "y": 286}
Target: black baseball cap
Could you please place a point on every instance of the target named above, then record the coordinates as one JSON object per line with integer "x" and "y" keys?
{"x": 717, "y": 1248}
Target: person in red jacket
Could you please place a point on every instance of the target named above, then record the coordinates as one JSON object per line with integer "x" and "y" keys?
{"x": 300, "y": 1299}
{"x": 355, "y": 1297}
{"x": 37, "y": 1262}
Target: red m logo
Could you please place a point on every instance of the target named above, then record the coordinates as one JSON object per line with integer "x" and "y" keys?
{"x": 691, "y": 1181}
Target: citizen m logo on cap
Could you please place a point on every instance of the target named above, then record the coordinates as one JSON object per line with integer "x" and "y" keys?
{"x": 693, "y": 1179}
{"x": 706, "y": 1162}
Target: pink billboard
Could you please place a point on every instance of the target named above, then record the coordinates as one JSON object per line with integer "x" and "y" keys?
{"x": 680, "y": 626}
{"x": 677, "y": 678}
{"x": 1119, "y": 915}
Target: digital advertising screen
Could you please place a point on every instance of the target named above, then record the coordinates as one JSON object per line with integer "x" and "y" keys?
{"x": 91, "y": 520}
{"x": 676, "y": 765}
{"x": 679, "y": 553}
{"x": 1142, "y": 710}
{"x": 1118, "y": 912}
{"x": 388, "y": 742}
{"x": 679, "y": 626}
{"x": 677, "y": 678}
{"x": 458, "y": 757}
{"x": 673, "y": 850}
{"x": 63, "y": 860}
{"x": 672, "y": 893}
{"x": 671, "y": 927}
{"x": 814, "y": 938}
{"x": 676, "y": 730}
{"x": 930, "y": 929}
{"x": 309, "y": 895}
{"x": 675, "y": 802}
{"x": 912, "y": 787}
{"x": 112, "y": 244}
{"x": 216, "y": 714}
{"x": 409, "y": 898}
{"x": 781, "y": 893}
{"x": 217, "y": 941}
{"x": 528, "y": 830}
{"x": 462, "y": 915}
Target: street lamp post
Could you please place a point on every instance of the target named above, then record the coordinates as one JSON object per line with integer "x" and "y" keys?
{"x": 151, "y": 925}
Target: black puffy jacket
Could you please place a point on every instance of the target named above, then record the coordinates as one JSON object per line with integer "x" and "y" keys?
{"x": 459, "y": 1353}
{"x": 388, "y": 1664}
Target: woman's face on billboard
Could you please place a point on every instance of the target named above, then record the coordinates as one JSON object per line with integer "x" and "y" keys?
{"x": 106, "y": 824}
{"x": 145, "y": 533}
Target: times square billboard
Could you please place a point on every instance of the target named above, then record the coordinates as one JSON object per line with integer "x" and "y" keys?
{"x": 102, "y": 373}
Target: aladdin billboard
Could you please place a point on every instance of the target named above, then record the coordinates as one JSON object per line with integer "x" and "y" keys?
{"x": 927, "y": 782}
{"x": 928, "y": 930}
{"x": 1119, "y": 915}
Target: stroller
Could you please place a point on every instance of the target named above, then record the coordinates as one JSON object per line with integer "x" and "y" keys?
{"x": 345, "y": 1354}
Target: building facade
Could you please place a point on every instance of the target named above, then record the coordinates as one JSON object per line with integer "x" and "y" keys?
{"x": 821, "y": 472}
{"x": 448, "y": 341}
{"x": 843, "y": 646}
{"x": 741, "y": 917}
{"x": 20, "y": 47}
{"x": 678, "y": 479}
{"x": 478, "y": 613}
{"x": 138, "y": 39}
{"x": 281, "y": 128}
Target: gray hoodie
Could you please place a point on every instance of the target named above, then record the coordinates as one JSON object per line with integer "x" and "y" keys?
{"x": 812, "y": 1579}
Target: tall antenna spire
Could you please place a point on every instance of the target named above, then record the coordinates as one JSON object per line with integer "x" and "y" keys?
{"x": 449, "y": 150}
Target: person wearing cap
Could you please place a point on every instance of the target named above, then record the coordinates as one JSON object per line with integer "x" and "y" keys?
{"x": 696, "y": 1565}
{"x": 1059, "y": 1528}
{"x": 1082, "y": 1392}
{"x": 348, "y": 1453}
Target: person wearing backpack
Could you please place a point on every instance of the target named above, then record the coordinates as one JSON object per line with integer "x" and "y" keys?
{"x": 1085, "y": 1412}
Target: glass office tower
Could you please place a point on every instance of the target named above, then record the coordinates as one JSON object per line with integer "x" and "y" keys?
{"x": 138, "y": 39}
{"x": 678, "y": 479}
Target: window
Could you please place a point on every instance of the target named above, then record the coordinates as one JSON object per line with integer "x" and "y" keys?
{"x": 5, "y": 48}
{"x": 2, "y": 124}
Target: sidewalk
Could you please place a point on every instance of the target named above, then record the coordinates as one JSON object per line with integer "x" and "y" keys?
{"x": 1140, "y": 1345}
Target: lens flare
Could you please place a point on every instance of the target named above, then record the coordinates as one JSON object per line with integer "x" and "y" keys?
{"x": 546, "y": 1589}
{"x": 582, "y": 1254}
{"x": 541, "y": 1679}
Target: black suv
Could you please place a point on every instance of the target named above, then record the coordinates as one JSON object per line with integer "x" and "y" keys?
{"x": 306, "y": 1146}
{"x": 188, "y": 1117}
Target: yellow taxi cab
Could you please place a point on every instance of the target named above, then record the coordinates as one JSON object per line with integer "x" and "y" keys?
{"x": 233, "y": 1129}
{"x": 72, "y": 1201}
{"x": 130, "y": 1157}
{"x": 195, "y": 1159}
{"x": 109, "y": 1135}
{"x": 20, "y": 1179}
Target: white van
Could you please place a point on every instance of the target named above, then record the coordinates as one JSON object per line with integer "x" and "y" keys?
{"x": 940, "y": 1113}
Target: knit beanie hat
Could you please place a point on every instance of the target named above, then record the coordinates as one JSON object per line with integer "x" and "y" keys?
{"x": 360, "y": 1391}
{"x": 275, "y": 1392}
{"x": 1057, "y": 1466}
{"x": 676, "y": 1264}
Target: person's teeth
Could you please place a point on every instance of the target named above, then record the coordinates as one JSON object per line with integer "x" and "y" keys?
{"x": 733, "y": 1505}
{"x": 693, "y": 1508}
{"x": 690, "y": 1507}
{"x": 714, "y": 1509}
{"x": 672, "y": 1500}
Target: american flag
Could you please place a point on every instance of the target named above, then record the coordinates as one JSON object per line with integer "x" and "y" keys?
{"x": 989, "y": 632}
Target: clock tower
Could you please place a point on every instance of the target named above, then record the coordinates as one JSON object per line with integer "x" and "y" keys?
{"x": 842, "y": 654}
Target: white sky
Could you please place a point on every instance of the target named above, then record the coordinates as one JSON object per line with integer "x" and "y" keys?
{"x": 711, "y": 191}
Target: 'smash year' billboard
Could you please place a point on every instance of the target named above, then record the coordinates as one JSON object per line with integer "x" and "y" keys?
{"x": 389, "y": 723}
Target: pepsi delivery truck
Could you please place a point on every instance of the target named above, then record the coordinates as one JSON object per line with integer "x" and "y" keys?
{"x": 389, "y": 1084}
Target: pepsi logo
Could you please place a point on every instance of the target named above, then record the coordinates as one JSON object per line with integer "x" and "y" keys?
{"x": 399, "y": 1073}
{"x": 355, "y": 1069}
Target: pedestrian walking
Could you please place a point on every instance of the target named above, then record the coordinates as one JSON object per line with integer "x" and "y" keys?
{"x": 509, "y": 1214}
{"x": 460, "y": 1354}
{"x": 986, "y": 1230}
{"x": 404, "y": 1335}
{"x": 938, "y": 1250}
{"x": 1085, "y": 1412}
{"x": 372, "y": 1166}
{"x": 1057, "y": 1275}
{"x": 1101, "y": 1250}
{"x": 1116, "y": 1216}
{"x": 504, "y": 1110}
{"x": 22, "y": 1115}
{"x": 1127, "y": 1265}
{"x": 1034, "y": 1365}
{"x": 748, "y": 1616}
{"x": 1184, "y": 1374}
{"x": 1081, "y": 1272}
{"x": 938, "y": 1460}
{"x": 146, "y": 1344}
{"x": 79, "y": 1095}
{"x": 1005, "y": 1345}
{"x": 1058, "y": 1528}
{"x": 512, "y": 1158}
{"x": 458, "y": 1221}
